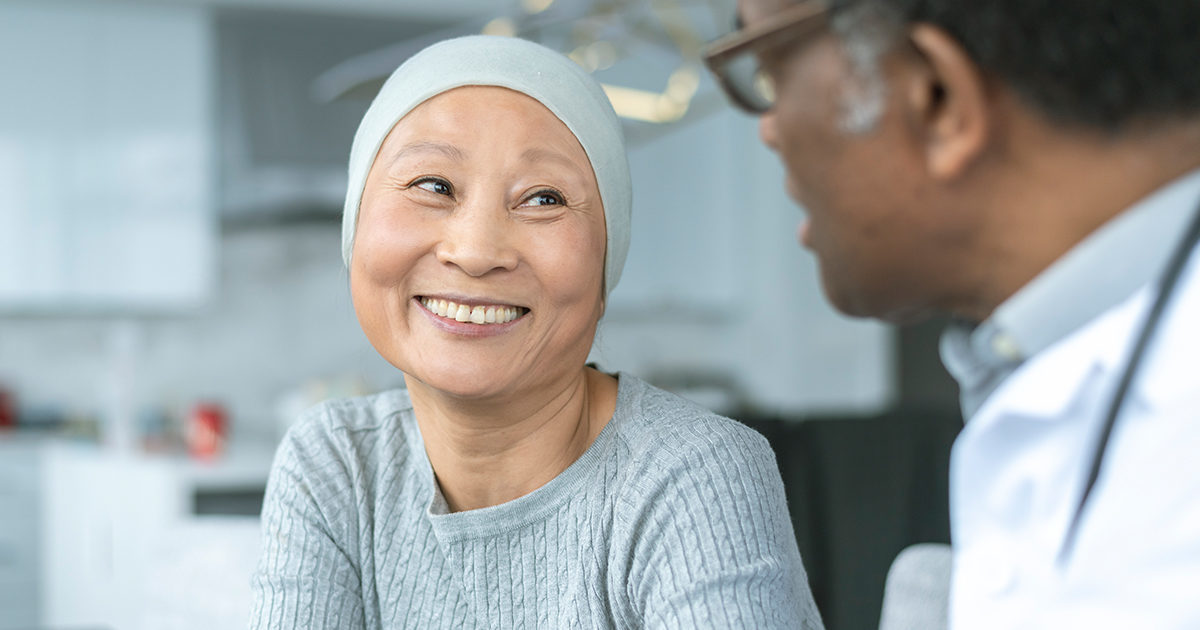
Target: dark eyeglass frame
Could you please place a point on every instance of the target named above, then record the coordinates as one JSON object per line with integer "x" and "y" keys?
{"x": 811, "y": 15}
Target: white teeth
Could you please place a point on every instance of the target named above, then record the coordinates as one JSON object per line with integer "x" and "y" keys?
{"x": 473, "y": 314}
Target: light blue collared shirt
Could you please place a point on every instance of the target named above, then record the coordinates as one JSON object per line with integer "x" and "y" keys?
{"x": 1104, "y": 269}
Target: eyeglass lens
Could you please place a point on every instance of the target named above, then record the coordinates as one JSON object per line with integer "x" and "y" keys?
{"x": 751, "y": 84}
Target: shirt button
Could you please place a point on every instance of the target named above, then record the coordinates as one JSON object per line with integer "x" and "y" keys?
{"x": 1005, "y": 347}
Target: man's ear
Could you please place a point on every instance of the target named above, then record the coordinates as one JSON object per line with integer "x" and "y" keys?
{"x": 948, "y": 101}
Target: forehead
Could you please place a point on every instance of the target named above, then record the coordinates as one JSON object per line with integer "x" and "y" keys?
{"x": 486, "y": 122}
{"x": 467, "y": 111}
{"x": 506, "y": 130}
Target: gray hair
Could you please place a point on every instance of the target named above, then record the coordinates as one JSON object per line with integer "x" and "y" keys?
{"x": 867, "y": 30}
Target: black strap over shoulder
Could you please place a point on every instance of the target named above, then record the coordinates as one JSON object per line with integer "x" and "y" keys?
{"x": 1168, "y": 282}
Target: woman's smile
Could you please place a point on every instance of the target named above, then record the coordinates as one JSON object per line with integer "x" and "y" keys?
{"x": 470, "y": 317}
{"x": 470, "y": 311}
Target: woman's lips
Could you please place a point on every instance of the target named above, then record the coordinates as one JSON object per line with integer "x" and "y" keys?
{"x": 470, "y": 319}
{"x": 475, "y": 313}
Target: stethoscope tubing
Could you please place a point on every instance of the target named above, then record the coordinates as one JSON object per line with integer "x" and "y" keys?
{"x": 1168, "y": 283}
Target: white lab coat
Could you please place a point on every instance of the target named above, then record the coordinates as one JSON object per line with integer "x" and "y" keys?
{"x": 1019, "y": 466}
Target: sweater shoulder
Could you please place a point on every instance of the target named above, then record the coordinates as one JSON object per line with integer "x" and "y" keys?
{"x": 663, "y": 426}
{"x": 350, "y": 434}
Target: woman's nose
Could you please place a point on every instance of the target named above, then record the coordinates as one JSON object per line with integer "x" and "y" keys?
{"x": 478, "y": 241}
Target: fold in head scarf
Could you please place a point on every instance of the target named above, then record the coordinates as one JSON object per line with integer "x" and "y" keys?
{"x": 543, "y": 74}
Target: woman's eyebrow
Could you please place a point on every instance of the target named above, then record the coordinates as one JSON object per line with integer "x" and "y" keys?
{"x": 448, "y": 150}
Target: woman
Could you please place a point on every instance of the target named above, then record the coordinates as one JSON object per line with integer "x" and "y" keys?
{"x": 510, "y": 485}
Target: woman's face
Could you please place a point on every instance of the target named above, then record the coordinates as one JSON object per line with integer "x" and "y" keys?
{"x": 479, "y": 253}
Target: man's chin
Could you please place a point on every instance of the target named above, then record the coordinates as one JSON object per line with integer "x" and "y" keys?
{"x": 859, "y": 305}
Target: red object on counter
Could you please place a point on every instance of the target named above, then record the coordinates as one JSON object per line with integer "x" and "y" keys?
{"x": 8, "y": 410}
{"x": 206, "y": 430}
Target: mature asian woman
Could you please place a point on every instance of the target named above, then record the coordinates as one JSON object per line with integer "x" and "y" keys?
{"x": 509, "y": 484}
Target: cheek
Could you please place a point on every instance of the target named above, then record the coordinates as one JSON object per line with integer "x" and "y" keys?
{"x": 807, "y": 113}
{"x": 806, "y": 145}
{"x": 810, "y": 160}
{"x": 571, "y": 263}
{"x": 387, "y": 244}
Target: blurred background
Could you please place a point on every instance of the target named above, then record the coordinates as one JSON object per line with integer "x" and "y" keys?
{"x": 172, "y": 293}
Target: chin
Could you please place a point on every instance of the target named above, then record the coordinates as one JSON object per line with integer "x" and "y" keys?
{"x": 863, "y": 305}
{"x": 842, "y": 295}
{"x": 853, "y": 299}
{"x": 476, "y": 384}
{"x": 847, "y": 306}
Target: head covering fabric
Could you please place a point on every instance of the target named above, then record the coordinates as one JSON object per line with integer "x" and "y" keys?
{"x": 549, "y": 77}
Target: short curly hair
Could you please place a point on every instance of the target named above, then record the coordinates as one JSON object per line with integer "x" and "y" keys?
{"x": 1099, "y": 63}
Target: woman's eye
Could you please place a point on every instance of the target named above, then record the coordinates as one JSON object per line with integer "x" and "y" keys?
{"x": 435, "y": 186}
{"x": 545, "y": 198}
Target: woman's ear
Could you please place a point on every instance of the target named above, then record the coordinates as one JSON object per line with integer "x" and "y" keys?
{"x": 947, "y": 98}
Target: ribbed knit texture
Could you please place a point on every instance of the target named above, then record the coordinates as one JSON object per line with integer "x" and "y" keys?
{"x": 673, "y": 518}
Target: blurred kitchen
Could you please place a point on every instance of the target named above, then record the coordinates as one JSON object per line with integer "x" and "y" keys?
{"x": 172, "y": 293}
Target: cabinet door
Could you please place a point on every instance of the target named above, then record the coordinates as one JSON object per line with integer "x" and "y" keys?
{"x": 19, "y": 534}
{"x": 105, "y": 174}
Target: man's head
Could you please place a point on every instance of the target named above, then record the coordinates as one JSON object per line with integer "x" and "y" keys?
{"x": 1102, "y": 64}
{"x": 926, "y": 138}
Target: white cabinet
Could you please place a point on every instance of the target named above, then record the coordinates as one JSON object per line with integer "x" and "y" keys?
{"x": 106, "y": 181}
{"x": 92, "y": 538}
{"x": 122, "y": 546}
{"x": 19, "y": 531}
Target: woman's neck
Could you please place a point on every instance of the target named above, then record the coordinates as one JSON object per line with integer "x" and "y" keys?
{"x": 490, "y": 454}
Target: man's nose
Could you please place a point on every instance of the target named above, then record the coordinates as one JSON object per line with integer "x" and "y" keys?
{"x": 768, "y": 130}
{"x": 478, "y": 240}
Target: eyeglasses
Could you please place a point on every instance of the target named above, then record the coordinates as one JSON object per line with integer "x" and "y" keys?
{"x": 734, "y": 58}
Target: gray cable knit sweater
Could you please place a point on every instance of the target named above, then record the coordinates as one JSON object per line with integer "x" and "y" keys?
{"x": 673, "y": 518}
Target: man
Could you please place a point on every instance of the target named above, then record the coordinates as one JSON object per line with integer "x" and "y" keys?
{"x": 1031, "y": 167}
